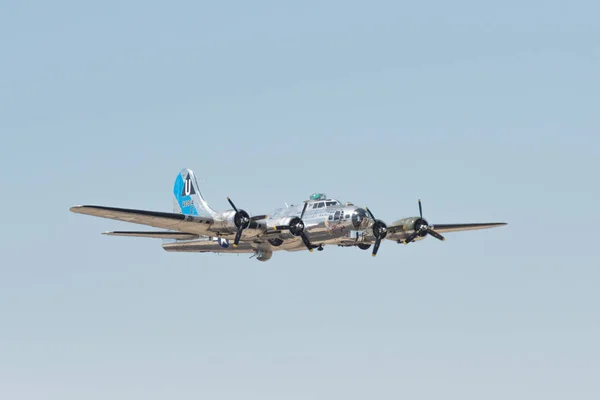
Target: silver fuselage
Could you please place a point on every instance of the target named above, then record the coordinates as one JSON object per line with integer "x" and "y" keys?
{"x": 337, "y": 224}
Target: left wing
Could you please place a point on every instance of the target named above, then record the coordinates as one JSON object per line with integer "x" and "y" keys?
{"x": 416, "y": 228}
{"x": 443, "y": 228}
{"x": 172, "y": 221}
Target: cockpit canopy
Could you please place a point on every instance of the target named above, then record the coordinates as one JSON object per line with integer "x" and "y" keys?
{"x": 320, "y": 200}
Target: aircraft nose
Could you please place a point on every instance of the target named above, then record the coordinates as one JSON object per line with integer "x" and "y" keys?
{"x": 360, "y": 219}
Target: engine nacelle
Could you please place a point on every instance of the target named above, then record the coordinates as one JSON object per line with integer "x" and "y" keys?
{"x": 228, "y": 223}
{"x": 406, "y": 226}
{"x": 225, "y": 222}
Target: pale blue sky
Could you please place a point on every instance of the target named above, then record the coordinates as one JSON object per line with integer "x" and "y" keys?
{"x": 488, "y": 112}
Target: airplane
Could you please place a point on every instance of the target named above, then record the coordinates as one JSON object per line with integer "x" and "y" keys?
{"x": 317, "y": 222}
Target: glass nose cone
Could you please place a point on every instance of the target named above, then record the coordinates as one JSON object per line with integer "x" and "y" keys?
{"x": 360, "y": 220}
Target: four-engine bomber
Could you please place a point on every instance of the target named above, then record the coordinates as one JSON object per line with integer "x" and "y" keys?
{"x": 317, "y": 222}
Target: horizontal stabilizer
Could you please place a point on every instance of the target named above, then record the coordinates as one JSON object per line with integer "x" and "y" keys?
{"x": 154, "y": 234}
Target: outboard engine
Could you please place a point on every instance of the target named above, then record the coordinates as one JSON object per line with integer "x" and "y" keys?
{"x": 237, "y": 220}
{"x": 415, "y": 228}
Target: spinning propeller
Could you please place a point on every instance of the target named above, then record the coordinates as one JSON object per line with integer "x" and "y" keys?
{"x": 242, "y": 221}
{"x": 422, "y": 228}
{"x": 379, "y": 231}
{"x": 296, "y": 227}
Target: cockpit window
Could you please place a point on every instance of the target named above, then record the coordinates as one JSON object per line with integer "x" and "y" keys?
{"x": 328, "y": 203}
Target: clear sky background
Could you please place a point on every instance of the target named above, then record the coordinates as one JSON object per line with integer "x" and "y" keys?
{"x": 487, "y": 111}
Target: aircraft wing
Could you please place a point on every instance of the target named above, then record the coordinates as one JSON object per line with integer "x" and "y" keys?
{"x": 154, "y": 234}
{"x": 416, "y": 228}
{"x": 191, "y": 224}
{"x": 444, "y": 228}
{"x": 209, "y": 245}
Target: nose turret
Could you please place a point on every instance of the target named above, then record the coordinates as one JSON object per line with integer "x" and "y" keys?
{"x": 360, "y": 219}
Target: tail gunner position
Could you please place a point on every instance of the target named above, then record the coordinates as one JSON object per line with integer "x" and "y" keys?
{"x": 319, "y": 221}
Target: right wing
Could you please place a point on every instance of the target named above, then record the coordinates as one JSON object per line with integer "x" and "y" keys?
{"x": 154, "y": 234}
{"x": 172, "y": 221}
{"x": 209, "y": 245}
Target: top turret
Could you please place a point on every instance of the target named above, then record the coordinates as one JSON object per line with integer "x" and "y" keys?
{"x": 318, "y": 196}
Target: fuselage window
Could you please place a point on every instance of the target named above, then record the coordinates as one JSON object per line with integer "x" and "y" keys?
{"x": 336, "y": 216}
{"x": 330, "y": 217}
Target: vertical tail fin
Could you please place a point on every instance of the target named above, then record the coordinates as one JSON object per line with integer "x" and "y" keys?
{"x": 188, "y": 199}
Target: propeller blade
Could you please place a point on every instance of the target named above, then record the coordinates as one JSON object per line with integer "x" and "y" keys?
{"x": 420, "y": 209}
{"x": 370, "y": 213}
{"x": 304, "y": 209}
{"x": 232, "y": 205}
{"x": 411, "y": 237}
{"x": 306, "y": 241}
{"x": 238, "y": 236}
{"x": 376, "y": 247}
{"x": 258, "y": 217}
{"x": 435, "y": 234}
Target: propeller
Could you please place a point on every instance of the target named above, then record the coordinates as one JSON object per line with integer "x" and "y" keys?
{"x": 422, "y": 228}
{"x": 242, "y": 221}
{"x": 379, "y": 231}
{"x": 296, "y": 227}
